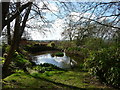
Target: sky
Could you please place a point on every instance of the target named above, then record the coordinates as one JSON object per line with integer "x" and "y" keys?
{"x": 53, "y": 32}
{"x": 58, "y": 16}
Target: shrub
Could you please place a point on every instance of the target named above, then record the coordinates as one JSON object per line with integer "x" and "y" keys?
{"x": 19, "y": 61}
{"x": 51, "y": 44}
{"x": 59, "y": 54}
{"x": 74, "y": 49}
{"x": 105, "y": 63}
{"x": 46, "y": 67}
{"x": 2, "y": 60}
{"x": 7, "y": 48}
{"x": 94, "y": 43}
{"x": 37, "y": 48}
{"x": 65, "y": 44}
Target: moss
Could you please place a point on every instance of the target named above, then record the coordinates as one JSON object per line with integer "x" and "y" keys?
{"x": 20, "y": 61}
{"x": 2, "y": 60}
{"x": 51, "y": 44}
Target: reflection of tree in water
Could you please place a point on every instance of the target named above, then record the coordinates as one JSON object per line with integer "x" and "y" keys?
{"x": 62, "y": 62}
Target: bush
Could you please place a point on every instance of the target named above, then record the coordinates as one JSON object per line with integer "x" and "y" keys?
{"x": 19, "y": 61}
{"x": 37, "y": 48}
{"x": 65, "y": 44}
{"x": 51, "y": 44}
{"x": 105, "y": 63}
{"x": 46, "y": 67}
{"x": 2, "y": 60}
{"x": 94, "y": 43}
{"x": 59, "y": 54}
{"x": 74, "y": 49}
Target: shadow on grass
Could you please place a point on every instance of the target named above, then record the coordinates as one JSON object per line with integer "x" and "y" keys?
{"x": 60, "y": 84}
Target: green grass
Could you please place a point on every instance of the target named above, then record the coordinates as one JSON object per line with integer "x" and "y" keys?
{"x": 52, "y": 79}
{"x": 22, "y": 80}
{"x": 70, "y": 78}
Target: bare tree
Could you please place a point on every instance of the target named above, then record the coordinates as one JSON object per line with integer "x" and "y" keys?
{"x": 5, "y": 9}
{"x": 13, "y": 45}
{"x": 99, "y": 13}
{"x": 18, "y": 31}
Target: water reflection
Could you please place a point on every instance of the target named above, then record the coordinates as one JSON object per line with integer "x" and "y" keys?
{"x": 62, "y": 62}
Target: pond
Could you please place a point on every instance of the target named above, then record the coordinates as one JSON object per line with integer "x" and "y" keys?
{"x": 61, "y": 62}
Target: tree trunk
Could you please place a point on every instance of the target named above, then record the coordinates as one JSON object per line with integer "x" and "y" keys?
{"x": 16, "y": 38}
{"x": 23, "y": 25}
{"x": 8, "y": 33}
{"x": 5, "y": 9}
{"x": 13, "y": 45}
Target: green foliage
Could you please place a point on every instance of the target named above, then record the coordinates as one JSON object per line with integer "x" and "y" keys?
{"x": 74, "y": 49}
{"x": 65, "y": 44}
{"x": 19, "y": 71}
{"x": 19, "y": 60}
{"x": 85, "y": 52}
{"x": 59, "y": 54}
{"x": 105, "y": 63}
{"x": 37, "y": 48}
{"x": 94, "y": 43}
{"x": 24, "y": 51}
{"x": 3, "y": 47}
{"x": 81, "y": 66}
{"x": 46, "y": 67}
{"x": 51, "y": 44}
{"x": 2, "y": 60}
{"x": 21, "y": 80}
{"x": 7, "y": 48}
{"x": 29, "y": 45}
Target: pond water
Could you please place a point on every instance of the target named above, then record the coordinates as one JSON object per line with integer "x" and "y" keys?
{"x": 62, "y": 62}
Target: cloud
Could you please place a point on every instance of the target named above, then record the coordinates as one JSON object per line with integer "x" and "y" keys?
{"x": 51, "y": 6}
{"x": 75, "y": 16}
{"x": 58, "y": 23}
{"x": 53, "y": 33}
{"x": 58, "y": 27}
{"x": 35, "y": 23}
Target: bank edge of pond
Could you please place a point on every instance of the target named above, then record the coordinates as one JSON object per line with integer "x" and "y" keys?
{"x": 44, "y": 52}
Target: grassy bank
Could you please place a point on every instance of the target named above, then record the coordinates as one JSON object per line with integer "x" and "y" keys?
{"x": 51, "y": 78}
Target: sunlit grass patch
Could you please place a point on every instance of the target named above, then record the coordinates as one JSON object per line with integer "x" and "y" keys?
{"x": 22, "y": 80}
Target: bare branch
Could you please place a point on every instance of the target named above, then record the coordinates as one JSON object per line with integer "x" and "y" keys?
{"x": 16, "y": 14}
